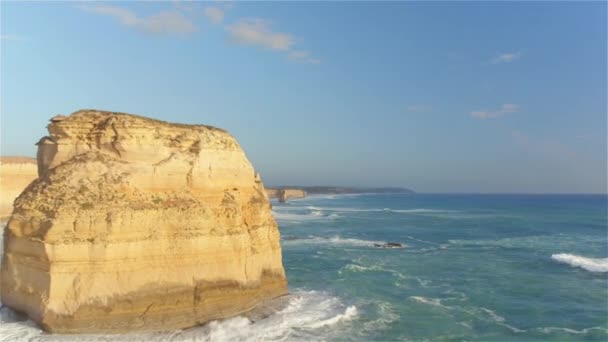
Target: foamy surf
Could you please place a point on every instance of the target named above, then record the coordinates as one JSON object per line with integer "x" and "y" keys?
{"x": 390, "y": 210}
{"x": 307, "y": 316}
{"x": 290, "y": 215}
{"x": 335, "y": 241}
{"x": 589, "y": 264}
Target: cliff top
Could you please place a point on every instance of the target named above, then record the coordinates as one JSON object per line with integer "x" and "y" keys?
{"x": 102, "y": 114}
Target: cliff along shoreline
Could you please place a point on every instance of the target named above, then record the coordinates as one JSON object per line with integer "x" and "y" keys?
{"x": 139, "y": 224}
{"x": 15, "y": 174}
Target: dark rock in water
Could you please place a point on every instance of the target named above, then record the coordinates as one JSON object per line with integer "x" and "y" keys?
{"x": 389, "y": 245}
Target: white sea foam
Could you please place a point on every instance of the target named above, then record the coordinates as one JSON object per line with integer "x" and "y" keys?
{"x": 423, "y": 241}
{"x": 296, "y": 217}
{"x": 548, "y": 330}
{"x": 335, "y": 240}
{"x": 429, "y": 301}
{"x": 493, "y": 315}
{"x": 295, "y": 214}
{"x": 535, "y": 242}
{"x": 349, "y": 314}
{"x": 479, "y": 313}
{"x": 359, "y": 268}
{"x": 589, "y": 264}
{"x": 386, "y": 314}
{"x": 403, "y": 211}
{"x": 308, "y": 315}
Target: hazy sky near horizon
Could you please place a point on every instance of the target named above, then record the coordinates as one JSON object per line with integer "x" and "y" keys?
{"x": 435, "y": 96}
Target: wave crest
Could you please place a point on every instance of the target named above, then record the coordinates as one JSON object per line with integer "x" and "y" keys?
{"x": 589, "y": 264}
{"x": 306, "y": 316}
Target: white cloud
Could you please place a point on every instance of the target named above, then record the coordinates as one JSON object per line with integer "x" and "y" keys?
{"x": 302, "y": 57}
{"x": 506, "y": 57}
{"x": 419, "y": 108}
{"x": 214, "y": 14}
{"x": 164, "y": 22}
{"x": 254, "y": 32}
{"x": 257, "y": 32}
{"x": 504, "y": 110}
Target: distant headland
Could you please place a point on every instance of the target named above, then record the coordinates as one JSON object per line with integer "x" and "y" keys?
{"x": 284, "y": 193}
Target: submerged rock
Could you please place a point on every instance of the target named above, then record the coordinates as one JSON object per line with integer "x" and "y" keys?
{"x": 139, "y": 224}
{"x": 389, "y": 245}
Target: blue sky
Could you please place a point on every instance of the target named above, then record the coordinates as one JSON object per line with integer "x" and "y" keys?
{"x": 435, "y": 96}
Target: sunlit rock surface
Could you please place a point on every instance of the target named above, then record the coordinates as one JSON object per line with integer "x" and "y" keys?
{"x": 15, "y": 174}
{"x": 139, "y": 224}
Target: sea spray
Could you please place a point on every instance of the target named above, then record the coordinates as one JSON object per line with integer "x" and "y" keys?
{"x": 589, "y": 264}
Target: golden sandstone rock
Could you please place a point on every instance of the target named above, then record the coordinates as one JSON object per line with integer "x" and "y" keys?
{"x": 139, "y": 224}
{"x": 15, "y": 174}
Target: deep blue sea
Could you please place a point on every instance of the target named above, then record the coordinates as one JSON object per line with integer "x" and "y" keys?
{"x": 474, "y": 268}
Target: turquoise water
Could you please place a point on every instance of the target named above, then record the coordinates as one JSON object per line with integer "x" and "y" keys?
{"x": 476, "y": 268}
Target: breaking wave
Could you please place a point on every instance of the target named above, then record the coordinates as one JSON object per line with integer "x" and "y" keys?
{"x": 298, "y": 216}
{"x": 335, "y": 240}
{"x": 589, "y": 264}
{"x": 549, "y": 330}
{"x": 307, "y": 315}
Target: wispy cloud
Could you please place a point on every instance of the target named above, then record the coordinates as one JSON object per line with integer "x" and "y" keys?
{"x": 257, "y": 32}
{"x": 419, "y": 108}
{"x": 504, "y": 110}
{"x": 506, "y": 57}
{"x": 164, "y": 22}
{"x": 302, "y": 57}
{"x": 214, "y": 14}
{"x": 12, "y": 37}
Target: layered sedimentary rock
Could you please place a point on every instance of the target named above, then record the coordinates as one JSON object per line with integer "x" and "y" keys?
{"x": 138, "y": 224}
{"x": 285, "y": 194}
{"x": 15, "y": 174}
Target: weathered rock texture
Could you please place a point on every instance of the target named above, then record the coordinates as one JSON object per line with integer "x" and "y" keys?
{"x": 15, "y": 174}
{"x": 285, "y": 194}
{"x": 138, "y": 224}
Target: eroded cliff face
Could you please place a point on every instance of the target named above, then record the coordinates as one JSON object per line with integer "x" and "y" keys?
{"x": 15, "y": 174}
{"x": 138, "y": 224}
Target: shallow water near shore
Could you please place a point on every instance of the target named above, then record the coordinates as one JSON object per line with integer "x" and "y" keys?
{"x": 475, "y": 267}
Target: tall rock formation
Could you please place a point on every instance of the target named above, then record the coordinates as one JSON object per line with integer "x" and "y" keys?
{"x": 139, "y": 224}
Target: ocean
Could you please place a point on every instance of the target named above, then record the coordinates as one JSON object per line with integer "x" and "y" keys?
{"x": 474, "y": 267}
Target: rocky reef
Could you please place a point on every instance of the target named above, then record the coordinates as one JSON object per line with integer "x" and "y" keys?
{"x": 15, "y": 174}
{"x": 139, "y": 224}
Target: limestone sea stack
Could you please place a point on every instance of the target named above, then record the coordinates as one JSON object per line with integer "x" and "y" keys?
{"x": 285, "y": 194}
{"x": 139, "y": 224}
